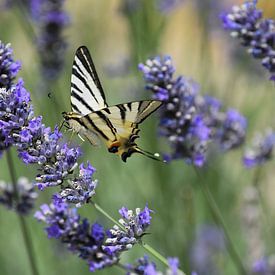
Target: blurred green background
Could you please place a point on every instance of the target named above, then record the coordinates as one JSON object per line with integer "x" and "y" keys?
{"x": 193, "y": 36}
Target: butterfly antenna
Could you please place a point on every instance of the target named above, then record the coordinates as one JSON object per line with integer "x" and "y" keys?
{"x": 155, "y": 156}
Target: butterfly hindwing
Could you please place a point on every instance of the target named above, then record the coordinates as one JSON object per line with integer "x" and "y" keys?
{"x": 87, "y": 94}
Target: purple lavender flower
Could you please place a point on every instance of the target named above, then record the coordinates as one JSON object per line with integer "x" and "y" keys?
{"x": 246, "y": 23}
{"x": 81, "y": 189}
{"x": 261, "y": 150}
{"x": 264, "y": 266}
{"x": 14, "y": 113}
{"x": 51, "y": 20}
{"x": 233, "y": 131}
{"x": 8, "y": 67}
{"x": 188, "y": 120}
{"x": 81, "y": 238}
{"x": 22, "y": 200}
{"x": 135, "y": 225}
{"x": 144, "y": 266}
{"x": 92, "y": 243}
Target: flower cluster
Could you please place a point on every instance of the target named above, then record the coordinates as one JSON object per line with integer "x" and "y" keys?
{"x": 134, "y": 227}
{"x": 51, "y": 20}
{"x": 8, "y": 67}
{"x": 81, "y": 189}
{"x": 261, "y": 149}
{"x": 14, "y": 113}
{"x": 38, "y": 144}
{"x": 22, "y": 199}
{"x": 64, "y": 223}
{"x": 144, "y": 266}
{"x": 189, "y": 120}
{"x": 92, "y": 243}
{"x": 257, "y": 34}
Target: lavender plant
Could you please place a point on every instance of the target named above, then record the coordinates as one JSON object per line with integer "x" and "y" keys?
{"x": 98, "y": 247}
{"x": 190, "y": 121}
{"x": 57, "y": 161}
{"x": 22, "y": 200}
{"x": 246, "y": 23}
{"x": 51, "y": 19}
{"x": 38, "y": 144}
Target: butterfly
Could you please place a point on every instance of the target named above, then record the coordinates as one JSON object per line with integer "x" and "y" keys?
{"x": 92, "y": 118}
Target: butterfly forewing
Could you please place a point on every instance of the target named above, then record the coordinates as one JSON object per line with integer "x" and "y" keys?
{"x": 87, "y": 94}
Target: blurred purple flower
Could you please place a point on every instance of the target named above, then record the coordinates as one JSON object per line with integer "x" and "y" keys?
{"x": 188, "y": 120}
{"x": 257, "y": 34}
{"x": 22, "y": 200}
{"x": 264, "y": 266}
{"x": 208, "y": 243}
{"x": 51, "y": 20}
{"x": 261, "y": 149}
{"x": 233, "y": 131}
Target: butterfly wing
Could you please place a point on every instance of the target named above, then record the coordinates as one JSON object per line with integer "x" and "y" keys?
{"x": 119, "y": 121}
{"x": 87, "y": 94}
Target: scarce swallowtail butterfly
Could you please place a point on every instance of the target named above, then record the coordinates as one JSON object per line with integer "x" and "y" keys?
{"x": 92, "y": 118}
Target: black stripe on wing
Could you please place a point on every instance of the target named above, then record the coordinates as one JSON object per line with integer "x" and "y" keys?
{"x": 146, "y": 108}
{"x": 84, "y": 56}
{"x": 87, "y": 94}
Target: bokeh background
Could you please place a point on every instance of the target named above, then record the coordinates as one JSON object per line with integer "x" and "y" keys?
{"x": 121, "y": 34}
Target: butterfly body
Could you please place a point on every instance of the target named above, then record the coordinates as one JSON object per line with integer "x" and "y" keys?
{"x": 92, "y": 118}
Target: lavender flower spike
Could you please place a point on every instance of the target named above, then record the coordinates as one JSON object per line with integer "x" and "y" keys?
{"x": 14, "y": 113}
{"x": 51, "y": 20}
{"x": 135, "y": 225}
{"x": 188, "y": 120}
{"x": 81, "y": 238}
{"x": 22, "y": 201}
{"x": 8, "y": 67}
{"x": 81, "y": 189}
{"x": 257, "y": 34}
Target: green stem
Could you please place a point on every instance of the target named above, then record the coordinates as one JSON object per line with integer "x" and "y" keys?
{"x": 23, "y": 225}
{"x": 26, "y": 21}
{"x": 147, "y": 247}
{"x": 104, "y": 213}
{"x": 219, "y": 221}
{"x": 153, "y": 252}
